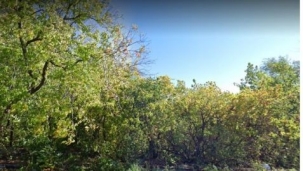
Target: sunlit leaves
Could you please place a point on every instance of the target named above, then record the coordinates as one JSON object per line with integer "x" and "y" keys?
{"x": 90, "y": 101}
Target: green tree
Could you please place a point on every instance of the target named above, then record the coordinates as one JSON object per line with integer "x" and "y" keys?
{"x": 58, "y": 59}
{"x": 200, "y": 113}
{"x": 272, "y": 72}
{"x": 274, "y": 89}
{"x": 263, "y": 122}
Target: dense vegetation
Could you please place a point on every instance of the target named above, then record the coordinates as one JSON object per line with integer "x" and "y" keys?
{"x": 73, "y": 98}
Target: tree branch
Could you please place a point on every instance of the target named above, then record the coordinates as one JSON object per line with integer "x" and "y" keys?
{"x": 56, "y": 65}
{"x": 66, "y": 66}
{"x": 79, "y": 60}
{"x": 30, "y": 73}
{"x": 37, "y": 11}
{"x": 42, "y": 81}
{"x": 67, "y": 11}
{"x": 68, "y": 8}
{"x": 37, "y": 38}
{"x": 72, "y": 18}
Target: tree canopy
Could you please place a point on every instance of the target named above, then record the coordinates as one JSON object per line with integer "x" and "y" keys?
{"x": 73, "y": 97}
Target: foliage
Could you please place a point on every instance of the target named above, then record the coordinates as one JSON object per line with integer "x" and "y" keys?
{"x": 73, "y": 97}
{"x": 273, "y": 72}
{"x": 135, "y": 167}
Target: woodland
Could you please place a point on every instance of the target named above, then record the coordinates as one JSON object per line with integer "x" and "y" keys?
{"x": 74, "y": 95}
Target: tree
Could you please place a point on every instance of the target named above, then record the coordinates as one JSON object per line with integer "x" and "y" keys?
{"x": 275, "y": 91}
{"x": 51, "y": 55}
{"x": 199, "y": 113}
{"x": 272, "y": 72}
{"x": 268, "y": 130}
{"x": 73, "y": 97}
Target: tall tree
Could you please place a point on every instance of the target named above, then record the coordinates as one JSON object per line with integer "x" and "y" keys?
{"x": 55, "y": 58}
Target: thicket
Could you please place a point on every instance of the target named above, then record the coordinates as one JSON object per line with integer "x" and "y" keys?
{"x": 73, "y": 98}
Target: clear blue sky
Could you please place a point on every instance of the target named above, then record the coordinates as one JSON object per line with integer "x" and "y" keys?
{"x": 213, "y": 40}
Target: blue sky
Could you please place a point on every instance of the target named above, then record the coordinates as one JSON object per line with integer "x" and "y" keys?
{"x": 211, "y": 40}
